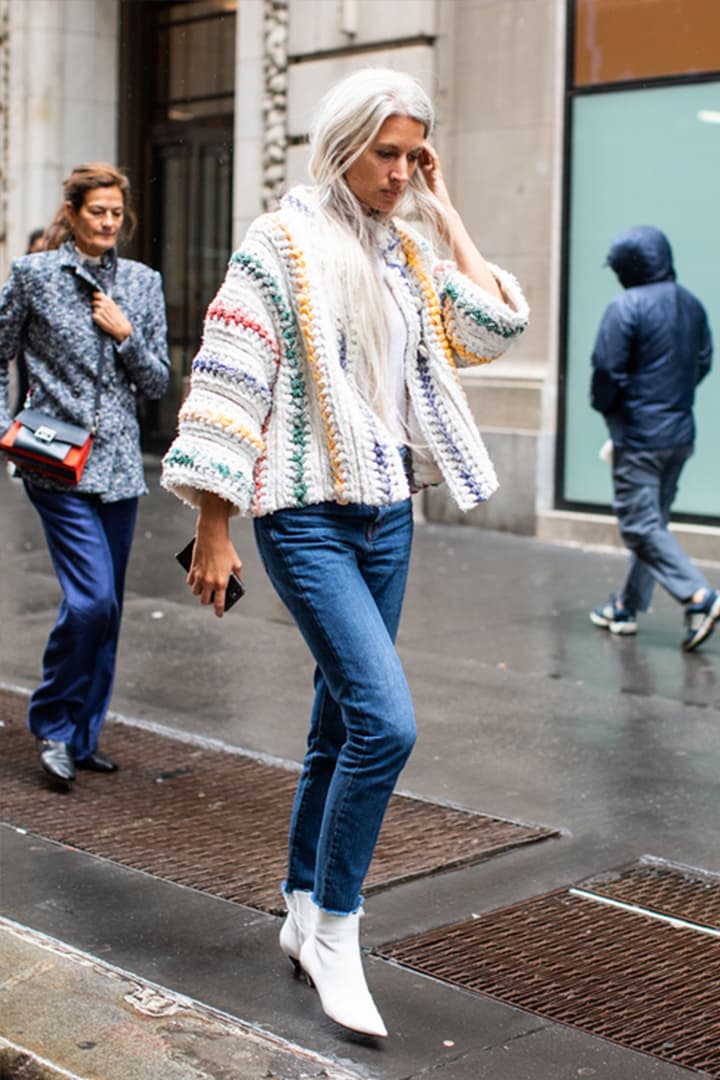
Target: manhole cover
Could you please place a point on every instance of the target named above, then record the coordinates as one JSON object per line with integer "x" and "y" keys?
{"x": 215, "y": 820}
{"x": 649, "y": 981}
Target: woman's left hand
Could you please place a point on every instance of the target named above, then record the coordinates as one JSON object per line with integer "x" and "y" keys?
{"x": 466, "y": 255}
{"x": 109, "y": 317}
{"x": 431, "y": 170}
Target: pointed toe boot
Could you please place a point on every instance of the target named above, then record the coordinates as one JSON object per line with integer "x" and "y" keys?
{"x": 97, "y": 762}
{"x": 56, "y": 760}
{"x": 331, "y": 958}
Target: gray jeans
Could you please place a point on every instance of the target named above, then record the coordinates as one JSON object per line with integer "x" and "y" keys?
{"x": 645, "y": 483}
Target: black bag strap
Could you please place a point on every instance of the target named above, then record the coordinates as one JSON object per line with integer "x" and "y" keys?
{"x": 103, "y": 352}
{"x": 101, "y": 360}
{"x": 98, "y": 385}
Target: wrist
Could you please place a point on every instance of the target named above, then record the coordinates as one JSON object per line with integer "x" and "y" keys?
{"x": 213, "y": 519}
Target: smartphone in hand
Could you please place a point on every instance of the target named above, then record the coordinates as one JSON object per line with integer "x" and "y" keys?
{"x": 234, "y": 588}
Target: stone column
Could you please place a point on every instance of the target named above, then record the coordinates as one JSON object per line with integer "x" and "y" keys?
{"x": 249, "y": 81}
{"x": 62, "y": 98}
{"x": 275, "y": 71}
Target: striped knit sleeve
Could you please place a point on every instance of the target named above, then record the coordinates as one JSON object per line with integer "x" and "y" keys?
{"x": 478, "y": 326}
{"x": 222, "y": 423}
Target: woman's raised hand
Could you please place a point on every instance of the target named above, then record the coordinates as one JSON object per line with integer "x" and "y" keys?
{"x": 432, "y": 171}
{"x": 109, "y": 317}
{"x": 464, "y": 251}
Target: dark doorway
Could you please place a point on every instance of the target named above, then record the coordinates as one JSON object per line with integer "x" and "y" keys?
{"x": 176, "y": 139}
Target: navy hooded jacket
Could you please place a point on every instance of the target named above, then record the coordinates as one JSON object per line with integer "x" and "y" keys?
{"x": 652, "y": 348}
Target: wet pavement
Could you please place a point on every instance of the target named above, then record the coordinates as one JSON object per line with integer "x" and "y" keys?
{"x": 525, "y": 711}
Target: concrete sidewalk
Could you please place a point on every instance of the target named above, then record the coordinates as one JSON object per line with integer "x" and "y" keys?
{"x": 92, "y": 1019}
{"x": 525, "y": 711}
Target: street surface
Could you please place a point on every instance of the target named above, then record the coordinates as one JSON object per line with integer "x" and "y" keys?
{"x": 525, "y": 711}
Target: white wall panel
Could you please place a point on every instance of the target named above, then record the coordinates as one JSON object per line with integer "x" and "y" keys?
{"x": 310, "y": 80}
{"x": 318, "y": 24}
{"x": 63, "y": 102}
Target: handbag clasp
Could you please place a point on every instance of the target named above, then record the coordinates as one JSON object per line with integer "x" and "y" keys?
{"x": 45, "y": 434}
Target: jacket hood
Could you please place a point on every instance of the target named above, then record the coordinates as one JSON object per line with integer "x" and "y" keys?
{"x": 641, "y": 256}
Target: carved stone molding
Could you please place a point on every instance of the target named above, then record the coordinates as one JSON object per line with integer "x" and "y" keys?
{"x": 275, "y": 91}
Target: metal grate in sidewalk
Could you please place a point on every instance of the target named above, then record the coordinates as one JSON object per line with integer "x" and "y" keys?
{"x": 668, "y": 890}
{"x": 647, "y": 983}
{"x": 215, "y": 820}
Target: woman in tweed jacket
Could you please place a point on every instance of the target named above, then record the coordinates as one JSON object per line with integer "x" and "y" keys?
{"x": 62, "y": 309}
{"x": 324, "y": 392}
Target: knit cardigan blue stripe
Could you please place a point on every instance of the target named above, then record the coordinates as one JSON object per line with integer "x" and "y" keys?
{"x": 274, "y": 418}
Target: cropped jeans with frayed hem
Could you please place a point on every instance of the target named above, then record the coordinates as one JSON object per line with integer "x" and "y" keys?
{"x": 341, "y": 571}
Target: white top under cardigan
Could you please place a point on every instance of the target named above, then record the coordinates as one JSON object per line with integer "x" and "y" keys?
{"x": 397, "y": 343}
{"x": 274, "y": 418}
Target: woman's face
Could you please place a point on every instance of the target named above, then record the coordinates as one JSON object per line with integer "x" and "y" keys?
{"x": 97, "y": 223}
{"x": 379, "y": 177}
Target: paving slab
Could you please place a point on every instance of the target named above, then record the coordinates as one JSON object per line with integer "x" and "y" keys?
{"x": 226, "y": 956}
{"x": 72, "y": 1015}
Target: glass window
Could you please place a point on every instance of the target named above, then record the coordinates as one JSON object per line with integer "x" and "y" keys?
{"x": 176, "y": 123}
{"x": 641, "y": 157}
{"x": 627, "y": 40}
{"x": 196, "y": 59}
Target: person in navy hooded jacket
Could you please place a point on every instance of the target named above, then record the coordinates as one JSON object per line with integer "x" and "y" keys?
{"x": 652, "y": 349}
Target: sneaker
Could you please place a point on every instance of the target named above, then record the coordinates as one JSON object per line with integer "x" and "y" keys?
{"x": 700, "y": 620}
{"x": 615, "y": 617}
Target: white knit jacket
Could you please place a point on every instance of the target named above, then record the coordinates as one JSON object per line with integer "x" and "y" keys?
{"x": 274, "y": 418}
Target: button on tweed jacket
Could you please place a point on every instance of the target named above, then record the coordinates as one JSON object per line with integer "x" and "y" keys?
{"x": 46, "y": 313}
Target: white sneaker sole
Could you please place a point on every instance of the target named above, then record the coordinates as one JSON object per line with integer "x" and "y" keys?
{"x": 623, "y": 629}
{"x": 705, "y": 629}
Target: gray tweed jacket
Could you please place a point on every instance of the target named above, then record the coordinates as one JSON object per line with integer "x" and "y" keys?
{"x": 46, "y": 314}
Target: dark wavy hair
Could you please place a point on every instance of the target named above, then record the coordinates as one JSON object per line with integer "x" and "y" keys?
{"x": 82, "y": 179}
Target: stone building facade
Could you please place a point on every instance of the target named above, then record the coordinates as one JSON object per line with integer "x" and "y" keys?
{"x": 499, "y": 73}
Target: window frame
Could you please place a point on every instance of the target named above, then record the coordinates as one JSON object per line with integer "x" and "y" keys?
{"x": 571, "y": 93}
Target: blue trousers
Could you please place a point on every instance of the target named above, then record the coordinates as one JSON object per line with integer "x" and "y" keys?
{"x": 645, "y": 483}
{"x": 341, "y": 571}
{"x": 89, "y": 543}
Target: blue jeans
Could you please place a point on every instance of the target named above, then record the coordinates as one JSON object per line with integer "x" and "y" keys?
{"x": 645, "y": 483}
{"x": 89, "y": 543}
{"x": 341, "y": 572}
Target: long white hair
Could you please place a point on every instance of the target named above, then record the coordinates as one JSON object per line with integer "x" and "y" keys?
{"x": 347, "y": 121}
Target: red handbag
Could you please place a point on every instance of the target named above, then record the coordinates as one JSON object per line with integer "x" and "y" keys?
{"x": 43, "y": 444}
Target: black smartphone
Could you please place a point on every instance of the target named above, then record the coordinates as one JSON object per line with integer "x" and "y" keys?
{"x": 234, "y": 588}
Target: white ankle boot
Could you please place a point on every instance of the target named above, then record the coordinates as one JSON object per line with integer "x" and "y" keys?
{"x": 331, "y": 957}
{"x": 298, "y": 924}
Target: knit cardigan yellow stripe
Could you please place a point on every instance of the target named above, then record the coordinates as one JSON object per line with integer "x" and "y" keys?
{"x": 461, "y": 350}
{"x": 217, "y": 420}
{"x": 430, "y": 294}
{"x": 305, "y": 305}
{"x": 428, "y": 291}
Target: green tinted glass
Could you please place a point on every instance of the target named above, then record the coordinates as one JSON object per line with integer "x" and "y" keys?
{"x": 642, "y": 157}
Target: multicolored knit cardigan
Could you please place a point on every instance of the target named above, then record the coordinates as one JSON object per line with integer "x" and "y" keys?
{"x": 274, "y": 418}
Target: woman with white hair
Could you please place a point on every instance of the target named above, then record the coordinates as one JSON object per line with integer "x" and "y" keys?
{"x": 324, "y": 393}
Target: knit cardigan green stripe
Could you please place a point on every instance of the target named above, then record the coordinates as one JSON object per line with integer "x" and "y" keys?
{"x": 274, "y": 418}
